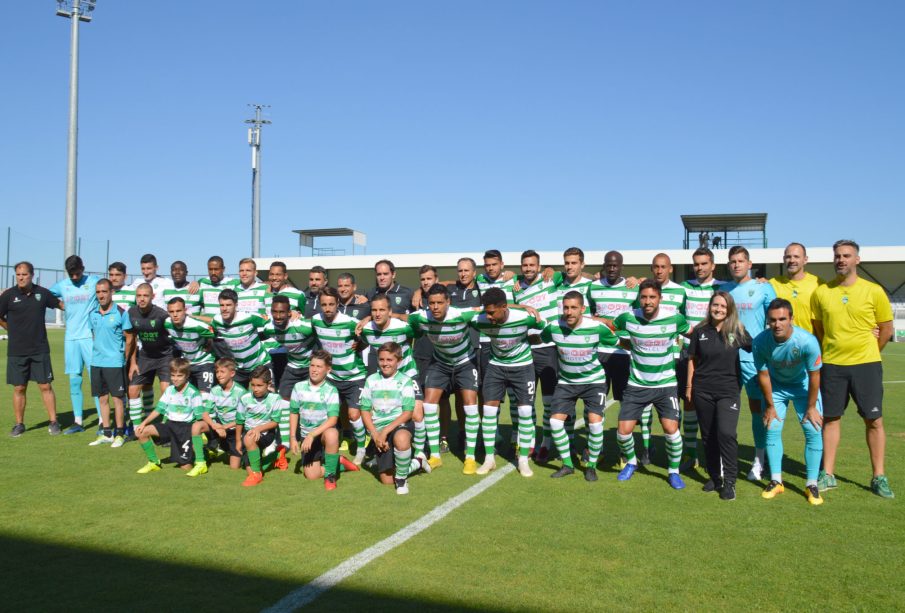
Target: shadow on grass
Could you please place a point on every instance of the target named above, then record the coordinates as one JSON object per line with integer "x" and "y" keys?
{"x": 38, "y": 576}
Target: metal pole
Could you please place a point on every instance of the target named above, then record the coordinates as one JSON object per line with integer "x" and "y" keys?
{"x": 69, "y": 245}
{"x": 107, "y": 262}
{"x": 6, "y": 279}
{"x": 254, "y": 139}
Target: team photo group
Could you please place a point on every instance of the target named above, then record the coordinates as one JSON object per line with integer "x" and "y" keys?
{"x": 239, "y": 373}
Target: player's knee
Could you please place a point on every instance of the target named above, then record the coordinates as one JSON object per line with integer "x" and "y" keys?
{"x": 19, "y": 390}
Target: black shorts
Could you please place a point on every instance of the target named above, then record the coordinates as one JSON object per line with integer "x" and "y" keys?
{"x": 863, "y": 383}
{"x": 518, "y": 379}
{"x": 279, "y": 361}
{"x": 20, "y": 369}
{"x": 148, "y": 368}
{"x": 546, "y": 368}
{"x": 179, "y": 435}
{"x": 617, "y": 367}
{"x": 230, "y": 441}
{"x": 268, "y": 438}
{"x": 349, "y": 391}
{"x": 386, "y": 460}
{"x": 108, "y": 380}
{"x": 448, "y": 378}
{"x": 422, "y": 365}
{"x": 316, "y": 453}
{"x": 636, "y": 398}
{"x": 202, "y": 377}
{"x": 244, "y": 376}
{"x": 290, "y": 377}
{"x": 566, "y": 396}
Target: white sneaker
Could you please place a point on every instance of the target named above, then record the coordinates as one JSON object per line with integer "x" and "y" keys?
{"x": 488, "y": 465}
{"x": 523, "y": 468}
{"x": 101, "y": 440}
{"x": 423, "y": 463}
{"x": 118, "y": 442}
{"x": 359, "y": 457}
{"x": 754, "y": 474}
{"x": 402, "y": 487}
{"x": 414, "y": 466}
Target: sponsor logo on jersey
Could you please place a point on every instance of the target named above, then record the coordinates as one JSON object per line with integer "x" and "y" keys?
{"x": 704, "y": 337}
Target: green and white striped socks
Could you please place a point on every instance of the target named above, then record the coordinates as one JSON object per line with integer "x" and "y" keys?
{"x": 472, "y": 427}
{"x": 432, "y": 424}
{"x": 526, "y": 430}
{"x": 403, "y": 463}
{"x": 595, "y": 442}
{"x": 561, "y": 440}
{"x": 647, "y": 420}
{"x": 627, "y": 447}
{"x": 488, "y": 429}
{"x": 674, "y": 450}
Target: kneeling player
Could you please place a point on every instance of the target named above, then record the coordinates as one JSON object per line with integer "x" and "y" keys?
{"x": 387, "y": 402}
{"x": 257, "y": 415}
{"x": 218, "y": 418}
{"x": 313, "y": 417}
{"x": 181, "y": 405}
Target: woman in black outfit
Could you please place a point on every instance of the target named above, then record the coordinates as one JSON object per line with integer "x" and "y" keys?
{"x": 715, "y": 389}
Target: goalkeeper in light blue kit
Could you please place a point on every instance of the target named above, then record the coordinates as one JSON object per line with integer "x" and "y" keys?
{"x": 788, "y": 362}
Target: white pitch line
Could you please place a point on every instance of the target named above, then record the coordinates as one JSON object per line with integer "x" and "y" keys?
{"x": 310, "y": 591}
{"x": 894, "y": 382}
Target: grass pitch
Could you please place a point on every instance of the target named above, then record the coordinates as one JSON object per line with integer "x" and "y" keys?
{"x": 81, "y": 530}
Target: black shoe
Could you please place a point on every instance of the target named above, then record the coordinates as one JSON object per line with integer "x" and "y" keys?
{"x": 565, "y": 471}
{"x": 711, "y": 486}
{"x": 17, "y": 431}
{"x": 590, "y": 474}
{"x": 728, "y": 492}
{"x": 644, "y": 458}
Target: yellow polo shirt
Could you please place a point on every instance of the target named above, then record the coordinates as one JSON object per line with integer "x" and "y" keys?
{"x": 799, "y": 294}
{"x": 849, "y": 315}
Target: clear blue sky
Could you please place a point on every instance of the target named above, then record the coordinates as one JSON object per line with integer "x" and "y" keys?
{"x": 450, "y": 126}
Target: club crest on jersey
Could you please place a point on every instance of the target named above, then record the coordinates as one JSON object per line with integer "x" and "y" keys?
{"x": 398, "y": 300}
{"x": 474, "y": 293}
{"x": 663, "y": 328}
{"x": 153, "y": 323}
{"x": 731, "y": 338}
{"x": 845, "y": 300}
{"x": 794, "y": 293}
{"x": 750, "y": 292}
{"x": 37, "y": 296}
{"x": 796, "y": 352}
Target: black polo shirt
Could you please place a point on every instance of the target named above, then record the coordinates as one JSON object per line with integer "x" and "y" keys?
{"x": 24, "y": 313}
{"x": 356, "y": 311}
{"x": 312, "y": 303}
{"x": 399, "y": 295}
{"x": 716, "y": 366}
{"x": 148, "y": 327}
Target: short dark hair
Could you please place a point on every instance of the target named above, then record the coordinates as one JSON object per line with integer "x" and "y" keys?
{"x": 117, "y": 266}
{"x": 330, "y": 291}
{"x": 228, "y": 294}
{"x": 382, "y": 297}
{"x": 780, "y": 303}
{"x": 104, "y": 282}
{"x": 650, "y": 284}
{"x": 279, "y": 299}
{"x": 74, "y": 264}
{"x": 740, "y": 249}
{"x": 438, "y": 288}
{"x": 216, "y": 259}
{"x": 846, "y": 243}
{"x": 320, "y": 270}
{"x": 176, "y": 300}
{"x": 703, "y": 251}
{"x": 26, "y": 264}
{"x": 346, "y": 276}
{"x": 178, "y": 263}
{"x": 491, "y": 254}
{"x": 148, "y": 258}
{"x": 322, "y": 355}
{"x": 530, "y": 253}
{"x": 574, "y": 251}
{"x": 278, "y": 264}
{"x": 263, "y": 373}
{"x": 493, "y": 297}
{"x": 574, "y": 295}
{"x": 426, "y": 268}
{"x": 387, "y": 262}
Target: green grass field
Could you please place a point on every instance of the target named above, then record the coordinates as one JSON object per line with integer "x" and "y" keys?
{"x": 81, "y": 530}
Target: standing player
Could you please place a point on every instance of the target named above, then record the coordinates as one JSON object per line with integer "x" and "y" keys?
{"x": 210, "y": 287}
{"x": 336, "y": 335}
{"x": 577, "y": 340}
{"x": 846, "y": 310}
{"x": 385, "y": 283}
{"x": 153, "y": 355}
{"x": 193, "y": 340}
{"x": 182, "y": 289}
{"x": 252, "y": 292}
{"x": 573, "y": 278}
{"x": 108, "y": 358}
{"x": 22, "y": 310}
{"x": 652, "y": 337}
{"x": 78, "y": 294}
{"x": 278, "y": 285}
{"x": 751, "y": 300}
{"x": 510, "y": 367}
{"x": 422, "y": 349}
{"x": 788, "y": 363}
{"x": 797, "y": 285}
{"x": 350, "y": 303}
{"x": 123, "y": 295}
{"x": 239, "y": 332}
{"x": 464, "y": 293}
{"x": 317, "y": 280}
{"x": 149, "y": 275}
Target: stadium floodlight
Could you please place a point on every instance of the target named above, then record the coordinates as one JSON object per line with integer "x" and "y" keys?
{"x": 76, "y": 11}
{"x": 254, "y": 140}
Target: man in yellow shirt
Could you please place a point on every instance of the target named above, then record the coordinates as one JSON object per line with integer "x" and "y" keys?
{"x": 845, "y": 312}
{"x": 797, "y": 285}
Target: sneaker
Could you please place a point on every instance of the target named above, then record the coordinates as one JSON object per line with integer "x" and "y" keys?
{"x": 402, "y": 487}
{"x": 688, "y": 463}
{"x": 444, "y": 445}
{"x": 18, "y": 430}
{"x": 622, "y": 463}
{"x": 710, "y": 486}
{"x": 54, "y": 428}
{"x": 253, "y": 479}
{"x": 359, "y": 456}
{"x": 524, "y": 468}
{"x": 74, "y": 429}
{"x": 728, "y": 492}
{"x": 200, "y": 468}
{"x": 435, "y": 461}
{"x": 470, "y": 467}
{"x": 118, "y": 442}
{"x": 755, "y": 474}
{"x": 150, "y": 467}
{"x": 330, "y": 482}
{"x": 281, "y": 462}
{"x": 774, "y": 489}
{"x": 344, "y": 445}
{"x": 565, "y": 471}
{"x": 350, "y": 466}
{"x": 590, "y": 474}
{"x": 101, "y": 440}
{"x": 542, "y": 455}
{"x": 879, "y": 485}
{"x": 488, "y": 465}
{"x": 627, "y": 471}
{"x": 675, "y": 481}
{"x": 813, "y": 495}
{"x": 826, "y": 481}
{"x": 423, "y": 463}
{"x": 644, "y": 458}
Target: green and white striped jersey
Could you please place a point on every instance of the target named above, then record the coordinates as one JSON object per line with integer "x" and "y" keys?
{"x": 192, "y": 301}
{"x": 296, "y": 297}
{"x": 210, "y": 294}
{"x": 252, "y": 299}
{"x": 485, "y": 283}
{"x": 337, "y": 338}
{"x": 222, "y": 404}
{"x": 241, "y": 336}
{"x": 509, "y": 340}
{"x": 184, "y": 406}
{"x": 297, "y": 338}
{"x": 192, "y": 339}
{"x": 609, "y": 301}
{"x": 252, "y": 411}
{"x": 580, "y": 285}
{"x": 673, "y": 300}
{"x": 541, "y": 295}
{"x": 313, "y": 404}
{"x": 697, "y": 299}
{"x": 450, "y": 337}
{"x": 386, "y": 398}
{"x": 577, "y": 349}
{"x": 397, "y": 331}
{"x": 653, "y": 347}
{"x": 124, "y": 297}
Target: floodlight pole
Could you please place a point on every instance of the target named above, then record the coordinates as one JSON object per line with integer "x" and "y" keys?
{"x": 254, "y": 139}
